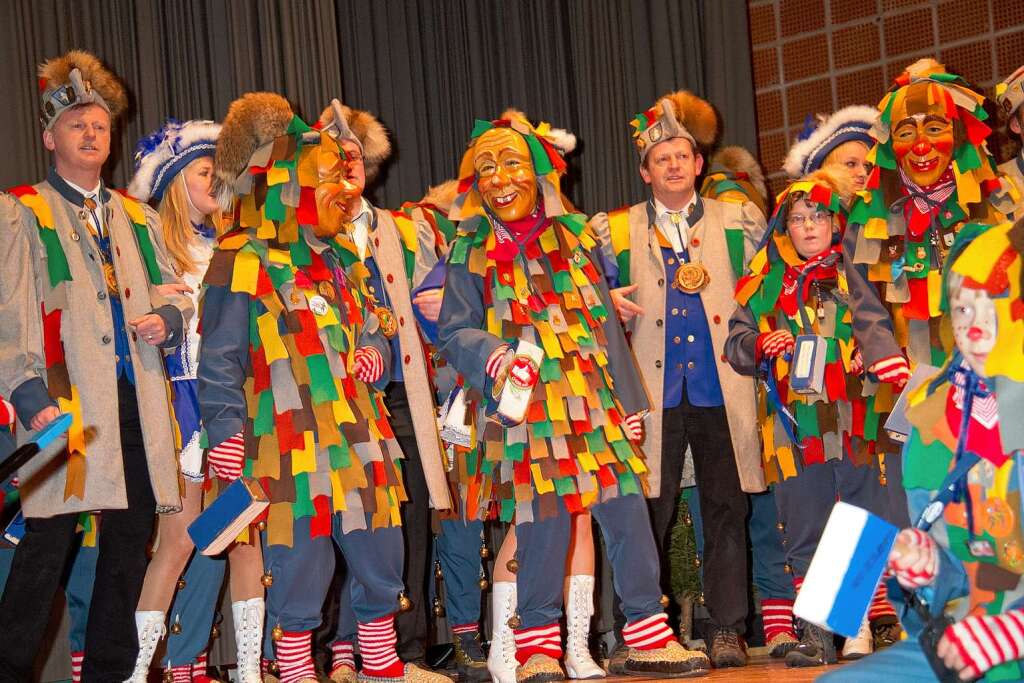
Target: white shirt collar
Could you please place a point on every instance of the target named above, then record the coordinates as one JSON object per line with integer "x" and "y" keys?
{"x": 361, "y": 227}
{"x": 676, "y": 237}
{"x": 660, "y": 209}
{"x": 85, "y": 193}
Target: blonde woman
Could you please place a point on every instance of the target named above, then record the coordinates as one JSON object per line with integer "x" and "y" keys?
{"x": 174, "y": 171}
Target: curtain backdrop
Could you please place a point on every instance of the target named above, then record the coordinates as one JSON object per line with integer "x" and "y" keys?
{"x": 426, "y": 68}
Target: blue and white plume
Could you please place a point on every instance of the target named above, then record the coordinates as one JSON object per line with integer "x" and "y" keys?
{"x": 815, "y": 142}
{"x": 161, "y": 155}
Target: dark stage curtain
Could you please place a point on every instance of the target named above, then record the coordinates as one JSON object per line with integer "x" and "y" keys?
{"x": 426, "y": 68}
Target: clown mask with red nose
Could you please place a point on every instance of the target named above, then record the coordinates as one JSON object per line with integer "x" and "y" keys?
{"x": 922, "y": 137}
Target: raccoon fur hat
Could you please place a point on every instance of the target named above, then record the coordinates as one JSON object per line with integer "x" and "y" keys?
{"x": 362, "y": 128}
{"x": 75, "y": 78}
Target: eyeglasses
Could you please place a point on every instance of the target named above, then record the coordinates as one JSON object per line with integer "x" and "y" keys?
{"x": 800, "y": 220}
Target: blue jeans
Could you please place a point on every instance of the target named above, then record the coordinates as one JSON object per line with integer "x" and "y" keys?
{"x": 904, "y": 662}
{"x": 193, "y": 608}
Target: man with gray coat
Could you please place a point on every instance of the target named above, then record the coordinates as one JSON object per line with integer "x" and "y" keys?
{"x": 82, "y": 328}
{"x": 672, "y": 263}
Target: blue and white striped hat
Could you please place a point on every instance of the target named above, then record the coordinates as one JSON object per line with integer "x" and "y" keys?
{"x": 814, "y": 144}
{"x": 161, "y": 155}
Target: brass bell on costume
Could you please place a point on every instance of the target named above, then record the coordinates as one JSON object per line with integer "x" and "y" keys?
{"x": 701, "y": 597}
{"x": 277, "y": 633}
{"x": 688, "y": 520}
{"x": 788, "y": 569}
{"x": 512, "y": 565}
{"x": 273, "y": 667}
{"x": 485, "y": 552}
{"x": 181, "y": 584}
{"x": 176, "y": 626}
{"x": 215, "y": 632}
{"x": 404, "y": 603}
{"x": 261, "y": 525}
{"x": 438, "y": 574}
{"x": 168, "y": 676}
{"x": 483, "y": 583}
{"x": 514, "y": 621}
{"x": 664, "y": 601}
{"x": 696, "y": 562}
{"x": 438, "y": 608}
{"x": 780, "y": 526}
{"x": 267, "y": 580}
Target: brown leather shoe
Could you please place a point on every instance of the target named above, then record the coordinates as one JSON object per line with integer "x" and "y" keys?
{"x": 727, "y": 649}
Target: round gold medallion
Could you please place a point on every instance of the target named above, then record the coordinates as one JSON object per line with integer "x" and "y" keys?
{"x": 691, "y": 277}
{"x": 388, "y": 326}
{"x": 326, "y": 290}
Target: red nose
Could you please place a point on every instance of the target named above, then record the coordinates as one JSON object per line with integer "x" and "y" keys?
{"x": 922, "y": 147}
{"x": 975, "y": 333}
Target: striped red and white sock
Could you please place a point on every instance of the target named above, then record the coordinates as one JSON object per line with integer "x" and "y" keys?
{"x": 880, "y": 605}
{"x": 539, "y": 640}
{"x": 182, "y": 673}
{"x": 377, "y": 640}
{"x": 798, "y": 581}
{"x": 343, "y": 654}
{"x": 649, "y": 633}
{"x": 464, "y": 628}
{"x": 295, "y": 657}
{"x": 76, "y": 666}
{"x": 199, "y": 667}
{"x": 777, "y": 615}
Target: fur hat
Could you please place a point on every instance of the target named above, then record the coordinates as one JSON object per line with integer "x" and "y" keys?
{"x": 253, "y": 120}
{"x": 362, "y": 128}
{"x": 161, "y": 155}
{"x": 679, "y": 114}
{"x": 442, "y": 195}
{"x": 823, "y": 134}
{"x": 76, "y": 78}
{"x": 737, "y": 160}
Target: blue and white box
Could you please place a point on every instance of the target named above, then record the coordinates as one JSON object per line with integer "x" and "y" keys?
{"x": 807, "y": 373}
{"x": 217, "y": 527}
{"x": 846, "y": 568}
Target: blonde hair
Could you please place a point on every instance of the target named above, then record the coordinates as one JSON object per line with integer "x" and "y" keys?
{"x": 178, "y": 233}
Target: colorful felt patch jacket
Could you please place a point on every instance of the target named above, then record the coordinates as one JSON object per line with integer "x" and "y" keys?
{"x": 65, "y": 341}
{"x": 968, "y": 584}
{"x": 280, "y": 372}
{"x": 552, "y": 294}
{"x": 798, "y": 430}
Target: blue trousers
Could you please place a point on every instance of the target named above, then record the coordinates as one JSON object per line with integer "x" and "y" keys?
{"x": 544, "y": 544}
{"x": 302, "y": 574}
{"x": 769, "y": 556}
{"x": 457, "y": 548}
{"x": 194, "y": 608}
{"x": 904, "y": 662}
{"x": 804, "y": 503}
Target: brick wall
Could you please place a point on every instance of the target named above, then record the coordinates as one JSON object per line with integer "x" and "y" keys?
{"x": 815, "y": 56}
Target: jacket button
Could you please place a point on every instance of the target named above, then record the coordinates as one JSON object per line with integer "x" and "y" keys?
{"x": 135, "y": 337}
{"x": 376, "y": 241}
{"x": 695, "y": 241}
{"x": 407, "y": 359}
{"x": 105, "y": 339}
{"x": 718, "y": 319}
{"x": 684, "y": 312}
{"x": 659, "y": 322}
{"x": 127, "y": 292}
{"x": 101, "y": 295}
{"x": 401, "y": 320}
{"x": 676, "y": 340}
{"x": 675, "y": 311}
{"x": 689, "y": 338}
{"x": 723, "y": 358}
{"x": 391, "y": 278}
{"x": 690, "y": 365}
{"x": 657, "y": 363}
{"x": 661, "y": 282}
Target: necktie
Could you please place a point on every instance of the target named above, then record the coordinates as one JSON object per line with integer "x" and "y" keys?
{"x": 676, "y": 218}
{"x": 91, "y": 205}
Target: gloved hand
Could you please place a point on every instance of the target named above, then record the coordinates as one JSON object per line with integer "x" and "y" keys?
{"x": 914, "y": 559}
{"x": 774, "y": 344}
{"x": 893, "y": 370}
{"x": 226, "y": 459}
{"x": 982, "y": 641}
{"x": 633, "y": 427}
{"x": 368, "y": 365}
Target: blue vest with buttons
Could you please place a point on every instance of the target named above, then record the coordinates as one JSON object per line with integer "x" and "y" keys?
{"x": 380, "y": 294}
{"x": 122, "y": 348}
{"x": 689, "y": 355}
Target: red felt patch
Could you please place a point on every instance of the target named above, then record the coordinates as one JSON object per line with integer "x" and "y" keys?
{"x": 306, "y": 213}
{"x": 320, "y": 525}
{"x": 53, "y": 347}
{"x": 917, "y": 307}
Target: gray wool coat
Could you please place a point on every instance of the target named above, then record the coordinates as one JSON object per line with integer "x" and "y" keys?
{"x": 87, "y": 334}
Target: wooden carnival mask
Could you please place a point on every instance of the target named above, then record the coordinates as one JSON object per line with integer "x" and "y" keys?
{"x": 506, "y": 179}
{"x": 338, "y": 173}
{"x": 922, "y": 135}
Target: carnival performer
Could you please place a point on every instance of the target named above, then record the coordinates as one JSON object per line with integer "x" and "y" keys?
{"x": 962, "y": 471}
{"x": 524, "y": 268}
{"x": 672, "y": 262}
{"x": 839, "y": 143}
{"x": 1010, "y": 98}
{"x": 290, "y": 383}
{"x": 174, "y": 172}
{"x": 82, "y": 332}
{"x": 399, "y": 249}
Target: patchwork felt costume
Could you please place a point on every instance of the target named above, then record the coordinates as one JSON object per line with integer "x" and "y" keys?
{"x": 1010, "y": 98}
{"x": 685, "y": 265}
{"x": 541, "y": 283}
{"x": 292, "y": 369}
{"x": 900, "y": 232}
{"x": 966, "y": 434}
{"x": 80, "y": 263}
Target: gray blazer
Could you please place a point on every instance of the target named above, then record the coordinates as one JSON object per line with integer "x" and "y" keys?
{"x": 87, "y": 333}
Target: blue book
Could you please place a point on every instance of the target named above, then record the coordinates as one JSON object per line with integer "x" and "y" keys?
{"x": 845, "y": 570}
{"x": 217, "y": 527}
